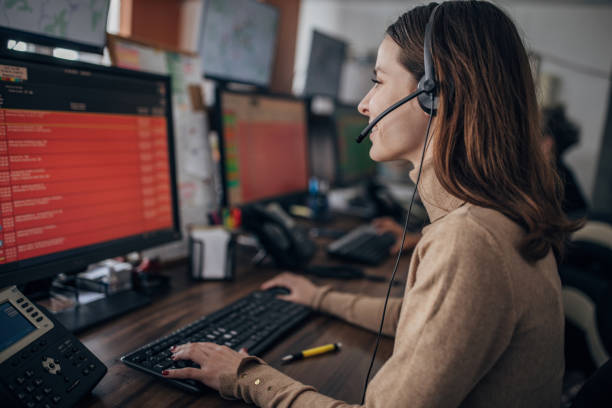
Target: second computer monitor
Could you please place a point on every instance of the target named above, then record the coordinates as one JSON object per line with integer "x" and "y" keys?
{"x": 327, "y": 55}
{"x": 264, "y": 146}
{"x": 354, "y": 163}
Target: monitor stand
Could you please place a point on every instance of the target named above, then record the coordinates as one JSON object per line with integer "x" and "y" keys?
{"x": 87, "y": 315}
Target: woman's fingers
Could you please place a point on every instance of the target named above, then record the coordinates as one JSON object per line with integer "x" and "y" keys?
{"x": 280, "y": 280}
{"x": 196, "y": 352}
{"x": 183, "y": 373}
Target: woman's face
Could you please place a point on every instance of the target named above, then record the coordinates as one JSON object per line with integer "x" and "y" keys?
{"x": 401, "y": 134}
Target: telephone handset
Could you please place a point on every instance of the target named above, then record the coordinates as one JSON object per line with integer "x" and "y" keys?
{"x": 41, "y": 363}
{"x": 388, "y": 205}
{"x": 287, "y": 244}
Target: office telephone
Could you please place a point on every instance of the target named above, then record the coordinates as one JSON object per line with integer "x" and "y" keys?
{"x": 287, "y": 243}
{"x": 41, "y": 363}
{"x": 386, "y": 204}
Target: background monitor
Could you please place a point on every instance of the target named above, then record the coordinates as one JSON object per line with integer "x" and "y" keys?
{"x": 264, "y": 146}
{"x": 322, "y": 147}
{"x": 79, "y": 25}
{"x": 327, "y": 55}
{"x": 354, "y": 162}
{"x": 237, "y": 40}
{"x": 86, "y": 165}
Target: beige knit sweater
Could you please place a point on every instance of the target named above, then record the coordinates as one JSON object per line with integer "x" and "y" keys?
{"x": 477, "y": 326}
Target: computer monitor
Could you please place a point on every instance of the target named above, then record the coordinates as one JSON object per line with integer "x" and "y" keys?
{"x": 237, "y": 41}
{"x": 322, "y": 147}
{"x": 327, "y": 55}
{"x": 354, "y": 162}
{"x": 79, "y": 25}
{"x": 264, "y": 146}
{"x": 86, "y": 165}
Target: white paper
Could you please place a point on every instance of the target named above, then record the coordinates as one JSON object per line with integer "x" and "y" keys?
{"x": 197, "y": 157}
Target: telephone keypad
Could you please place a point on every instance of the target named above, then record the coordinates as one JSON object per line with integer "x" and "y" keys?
{"x": 49, "y": 379}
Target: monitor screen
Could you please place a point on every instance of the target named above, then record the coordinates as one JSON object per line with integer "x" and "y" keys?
{"x": 264, "y": 146}
{"x": 238, "y": 39}
{"x": 77, "y": 25}
{"x": 354, "y": 162}
{"x": 86, "y": 165}
{"x": 327, "y": 56}
{"x": 15, "y": 325}
{"x": 322, "y": 147}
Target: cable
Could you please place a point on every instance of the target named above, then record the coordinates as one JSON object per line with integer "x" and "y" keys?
{"x": 399, "y": 254}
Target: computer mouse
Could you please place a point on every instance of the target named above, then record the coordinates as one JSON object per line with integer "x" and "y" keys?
{"x": 279, "y": 290}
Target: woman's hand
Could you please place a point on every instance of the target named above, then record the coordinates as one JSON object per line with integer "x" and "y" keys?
{"x": 302, "y": 290}
{"x": 387, "y": 224}
{"x": 214, "y": 361}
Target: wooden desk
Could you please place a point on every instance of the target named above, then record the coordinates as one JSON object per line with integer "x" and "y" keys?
{"x": 340, "y": 375}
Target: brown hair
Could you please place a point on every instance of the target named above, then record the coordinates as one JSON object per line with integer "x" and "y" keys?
{"x": 486, "y": 148}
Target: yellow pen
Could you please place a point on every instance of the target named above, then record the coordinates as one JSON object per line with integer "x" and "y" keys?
{"x": 315, "y": 351}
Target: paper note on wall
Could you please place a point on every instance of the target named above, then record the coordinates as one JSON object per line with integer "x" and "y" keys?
{"x": 139, "y": 57}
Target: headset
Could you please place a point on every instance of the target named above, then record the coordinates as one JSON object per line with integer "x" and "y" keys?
{"x": 426, "y": 92}
{"x": 427, "y": 95}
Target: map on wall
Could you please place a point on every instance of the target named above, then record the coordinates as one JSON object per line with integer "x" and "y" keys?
{"x": 82, "y": 21}
{"x": 238, "y": 40}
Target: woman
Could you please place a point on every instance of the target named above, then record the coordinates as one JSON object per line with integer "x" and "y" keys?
{"x": 481, "y": 321}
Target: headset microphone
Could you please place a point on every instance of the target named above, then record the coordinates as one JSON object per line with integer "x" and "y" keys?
{"x": 390, "y": 109}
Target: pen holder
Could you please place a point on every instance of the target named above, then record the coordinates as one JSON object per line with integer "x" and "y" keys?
{"x": 212, "y": 253}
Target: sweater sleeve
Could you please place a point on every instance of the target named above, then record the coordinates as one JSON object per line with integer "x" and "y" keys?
{"x": 457, "y": 319}
{"x": 363, "y": 311}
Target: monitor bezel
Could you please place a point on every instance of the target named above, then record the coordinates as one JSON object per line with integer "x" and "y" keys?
{"x": 75, "y": 260}
{"x": 288, "y": 198}
{"x": 50, "y": 41}
{"x": 228, "y": 79}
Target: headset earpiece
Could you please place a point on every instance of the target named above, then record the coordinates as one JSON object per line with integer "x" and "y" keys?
{"x": 429, "y": 86}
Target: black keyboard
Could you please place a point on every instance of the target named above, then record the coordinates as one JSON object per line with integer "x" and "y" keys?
{"x": 363, "y": 244}
{"x": 254, "y": 322}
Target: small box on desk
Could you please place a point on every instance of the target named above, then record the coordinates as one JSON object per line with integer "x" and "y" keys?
{"x": 212, "y": 252}
{"x": 107, "y": 277}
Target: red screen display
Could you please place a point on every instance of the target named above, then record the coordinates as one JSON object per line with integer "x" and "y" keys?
{"x": 265, "y": 147}
{"x": 73, "y": 179}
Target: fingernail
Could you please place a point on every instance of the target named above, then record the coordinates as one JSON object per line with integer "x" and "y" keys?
{"x": 165, "y": 372}
{"x": 172, "y": 348}
{"x": 173, "y": 357}
{"x": 243, "y": 350}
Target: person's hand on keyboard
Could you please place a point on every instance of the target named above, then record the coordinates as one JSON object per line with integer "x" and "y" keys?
{"x": 214, "y": 361}
{"x": 302, "y": 290}
{"x": 388, "y": 224}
